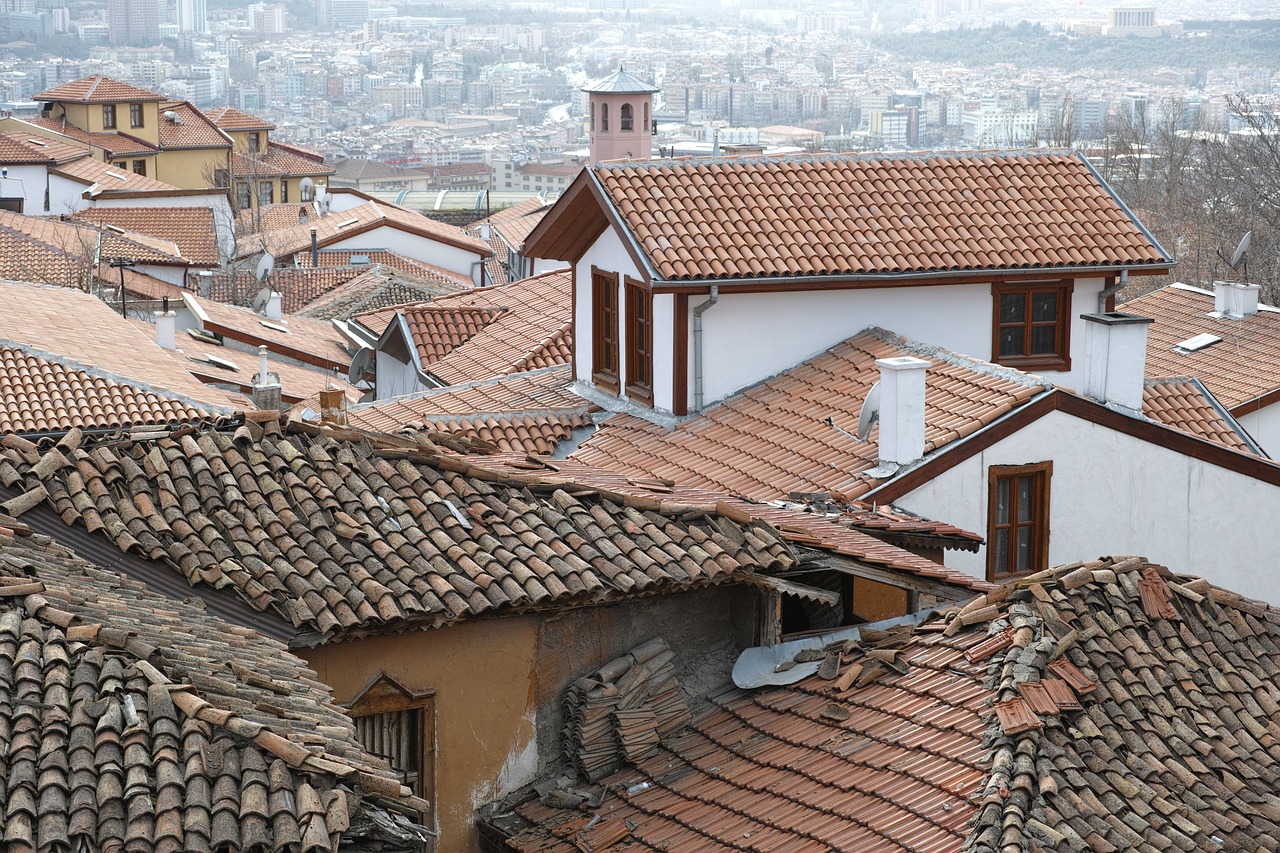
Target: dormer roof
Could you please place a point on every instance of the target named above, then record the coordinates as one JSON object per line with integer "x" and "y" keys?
{"x": 98, "y": 89}
{"x": 231, "y": 119}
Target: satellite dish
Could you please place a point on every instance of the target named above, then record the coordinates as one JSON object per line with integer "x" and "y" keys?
{"x": 359, "y": 364}
{"x": 322, "y": 200}
{"x": 260, "y": 301}
{"x": 308, "y": 187}
{"x": 1238, "y": 255}
{"x": 265, "y": 265}
{"x": 870, "y": 412}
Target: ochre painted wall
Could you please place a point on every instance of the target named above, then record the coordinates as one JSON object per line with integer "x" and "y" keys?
{"x": 483, "y": 675}
{"x": 190, "y": 168}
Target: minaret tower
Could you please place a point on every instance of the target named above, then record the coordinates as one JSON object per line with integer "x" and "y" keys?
{"x": 621, "y": 124}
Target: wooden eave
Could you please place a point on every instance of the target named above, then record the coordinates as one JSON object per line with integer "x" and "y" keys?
{"x": 573, "y": 223}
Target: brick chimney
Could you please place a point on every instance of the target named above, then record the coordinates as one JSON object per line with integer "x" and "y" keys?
{"x": 901, "y": 410}
{"x": 1115, "y": 351}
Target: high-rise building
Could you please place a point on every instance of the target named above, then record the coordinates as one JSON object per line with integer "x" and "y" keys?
{"x": 343, "y": 13}
{"x": 193, "y": 16}
{"x": 135, "y": 22}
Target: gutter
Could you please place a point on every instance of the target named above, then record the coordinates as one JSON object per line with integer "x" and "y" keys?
{"x": 1108, "y": 292}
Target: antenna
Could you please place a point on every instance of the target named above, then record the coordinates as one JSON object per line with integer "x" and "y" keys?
{"x": 359, "y": 365}
{"x": 260, "y": 301}
{"x": 870, "y": 412}
{"x": 265, "y": 265}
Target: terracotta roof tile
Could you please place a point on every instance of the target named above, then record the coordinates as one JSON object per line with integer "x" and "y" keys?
{"x": 775, "y": 438}
{"x": 15, "y": 148}
{"x": 1147, "y": 742}
{"x": 1244, "y": 365}
{"x": 42, "y": 394}
{"x": 191, "y": 229}
{"x": 278, "y": 160}
{"x": 52, "y": 150}
{"x": 379, "y": 286}
{"x": 161, "y": 727}
{"x": 191, "y": 129}
{"x": 230, "y": 118}
{"x": 97, "y": 89}
{"x": 348, "y": 536}
{"x": 312, "y": 341}
{"x": 528, "y": 326}
{"x": 110, "y": 179}
{"x": 1187, "y": 405}
{"x": 872, "y": 215}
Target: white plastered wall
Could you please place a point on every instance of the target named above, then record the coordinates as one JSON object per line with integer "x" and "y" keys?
{"x": 1114, "y": 494}
{"x": 1264, "y": 427}
{"x": 412, "y": 246}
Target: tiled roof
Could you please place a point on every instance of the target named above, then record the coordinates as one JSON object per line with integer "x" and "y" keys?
{"x": 774, "y": 438}
{"x": 873, "y": 215}
{"x": 1187, "y": 405}
{"x": 529, "y": 327}
{"x": 85, "y": 241}
{"x": 110, "y": 179}
{"x": 295, "y": 286}
{"x": 51, "y": 150}
{"x": 277, "y": 161}
{"x": 1244, "y": 365}
{"x": 1103, "y": 706}
{"x": 312, "y": 341}
{"x": 508, "y": 229}
{"x": 85, "y": 334}
{"x": 379, "y": 286}
{"x": 134, "y": 722}
{"x": 115, "y": 144}
{"x": 230, "y": 118}
{"x": 348, "y": 537}
{"x": 44, "y": 395}
{"x": 191, "y": 130}
{"x": 97, "y": 89}
{"x": 190, "y": 228}
{"x": 15, "y": 148}
{"x": 620, "y": 83}
{"x": 273, "y": 217}
{"x": 338, "y": 225}
{"x": 342, "y": 257}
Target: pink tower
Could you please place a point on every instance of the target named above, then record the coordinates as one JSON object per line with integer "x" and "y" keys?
{"x": 621, "y": 124}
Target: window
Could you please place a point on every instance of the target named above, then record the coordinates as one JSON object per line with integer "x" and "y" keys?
{"x": 120, "y": 164}
{"x": 593, "y": 115}
{"x": 639, "y": 342}
{"x": 646, "y": 113}
{"x": 253, "y": 142}
{"x": 604, "y": 116}
{"x": 624, "y": 116}
{"x": 135, "y": 115}
{"x": 109, "y": 116}
{"x": 244, "y": 199}
{"x": 284, "y": 191}
{"x": 221, "y": 178}
{"x": 1018, "y": 520}
{"x": 140, "y": 167}
{"x": 266, "y": 192}
{"x": 1032, "y": 326}
{"x": 604, "y": 330}
{"x": 399, "y": 725}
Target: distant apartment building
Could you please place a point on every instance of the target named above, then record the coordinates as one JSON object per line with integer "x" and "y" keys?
{"x": 193, "y": 16}
{"x": 343, "y": 13}
{"x": 135, "y": 22}
{"x": 533, "y": 177}
{"x": 982, "y": 125}
{"x": 267, "y": 18}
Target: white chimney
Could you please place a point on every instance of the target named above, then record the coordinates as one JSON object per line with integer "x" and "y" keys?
{"x": 1115, "y": 351}
{"x": 266, "y": 385}
{"x": 166, "y": 331}
{"x": 901, "y": 410}
{"x": 274, "y": 311}
{"x": 1235, "y": 299}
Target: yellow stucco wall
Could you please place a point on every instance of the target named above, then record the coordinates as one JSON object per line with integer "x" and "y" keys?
{"x": 190, "y": 168}
{"x": 483, "y": 675}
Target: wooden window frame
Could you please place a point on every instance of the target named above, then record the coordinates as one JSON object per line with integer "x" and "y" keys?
{"x": 385, "y": 695}
{"x": 1060, "y": 359}
{"x": 605, "y": 350}
{"x": 639, "y": 314}
{"x": 1042, "y": 473}
{"x": 108, "y": 116}
{"x": 140, "y": 167}
{"x": 254, "y": 142}
{"x": 137, "y": 117}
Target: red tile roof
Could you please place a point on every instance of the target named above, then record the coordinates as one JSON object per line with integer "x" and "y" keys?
{"x": 279, "y": 161}
{"x": 191, "y": 129}
{"x": 48, "y": 149}
{"x": 529, "y": 326}
{"x": 109, "y": 179}
{"x": 379, "y": 286}
{"x": 15, "y": 149}
{"x": 191, "y": 229}
{"x": 42, "y": 394}
{"x": 1243, "y": 366}
{"x": 1076, "y": 710}
{"x": 230, "y": 118}
{"x": 775, "y": 438}
{"x": 873, "y": 215}
{"x": 1187, "y": 405}
{"x": 311, "y": 341}
{"x": 115, "y": 144}
{"x": 97, "y": 89}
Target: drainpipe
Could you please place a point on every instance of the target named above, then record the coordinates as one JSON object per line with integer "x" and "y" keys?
{"x": 1111, "y": 291}
{"x": 698, "y": 311}
{"x": 315, "y": 250}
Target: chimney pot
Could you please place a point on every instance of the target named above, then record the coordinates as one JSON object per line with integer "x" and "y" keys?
{"x": 1235, "y": 299}
{"x": 274, "y": 311}
{"x": 901, "y": 410}
{"x": 166, "y": 329}
{"x": 1115, "y": 351}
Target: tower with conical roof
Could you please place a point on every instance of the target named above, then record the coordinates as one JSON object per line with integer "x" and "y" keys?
{"x": 621, "y": 126}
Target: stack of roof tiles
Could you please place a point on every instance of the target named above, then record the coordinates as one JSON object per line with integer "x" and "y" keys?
{"x": 129, "y": 722}
{"x": 340, "y": 536}
{"x": 620, "y": 711}
{"x": 792, "y": 432}
{"x": 1101, "y": 706}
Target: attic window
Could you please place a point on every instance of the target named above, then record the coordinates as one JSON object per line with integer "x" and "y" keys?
{"x": 1197, "y": 343}
{"x": 348, "y": 222}
{"x": 274, "y": 326}
{"x": 221, "y": 362}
